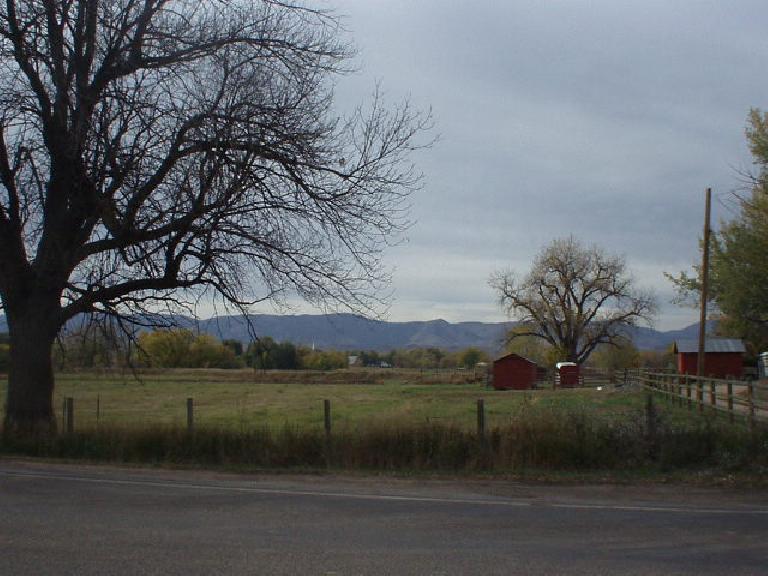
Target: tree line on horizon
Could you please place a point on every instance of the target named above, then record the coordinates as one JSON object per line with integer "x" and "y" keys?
{"x": 95, "y": 348}
{"x": 182, "y": 348}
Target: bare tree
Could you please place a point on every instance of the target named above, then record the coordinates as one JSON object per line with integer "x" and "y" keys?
{"x": 575, "y": 298}
{"x": 154, "y": 152}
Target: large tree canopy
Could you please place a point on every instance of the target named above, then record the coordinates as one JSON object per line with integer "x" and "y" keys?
{"x": 574, "y": 298}
{"x": 738, "y": 275}
{"x": 152, "y": 151}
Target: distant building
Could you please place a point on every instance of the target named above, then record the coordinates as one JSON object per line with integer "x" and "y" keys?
{"x": 567, "y": 375}
{"x": 513, "y": 372}
{"x": 723, "y": 357}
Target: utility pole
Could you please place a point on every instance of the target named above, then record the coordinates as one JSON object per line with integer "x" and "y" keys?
{"x": 704, "y": 288}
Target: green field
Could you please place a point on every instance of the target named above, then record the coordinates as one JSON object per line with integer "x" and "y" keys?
{"x": 385, "y": 420}
{"x": 244, "y": 399}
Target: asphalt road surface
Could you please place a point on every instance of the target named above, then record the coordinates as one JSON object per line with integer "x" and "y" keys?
{"x": 60, "y": 519}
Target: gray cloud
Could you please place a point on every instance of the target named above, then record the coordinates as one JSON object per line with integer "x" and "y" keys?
{"x": 605, "y": 119}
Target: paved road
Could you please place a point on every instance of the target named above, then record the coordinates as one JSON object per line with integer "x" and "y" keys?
{"x": 57, "y": 519}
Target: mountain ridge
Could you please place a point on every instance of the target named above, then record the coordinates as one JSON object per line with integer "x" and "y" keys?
{"x": 353, "y": 332}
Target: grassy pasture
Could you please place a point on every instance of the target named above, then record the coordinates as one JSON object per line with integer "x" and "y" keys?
{"x": 386, "y": 420}
{"x": 243, "y": 399}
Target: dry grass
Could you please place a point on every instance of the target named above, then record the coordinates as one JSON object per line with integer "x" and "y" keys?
{"x": 538, "y": 441}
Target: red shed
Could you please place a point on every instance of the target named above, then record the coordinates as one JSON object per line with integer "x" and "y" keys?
{"x": 567, "y": 374}
{"x": 723, "y": 357}
{"x": 513, "y": 372}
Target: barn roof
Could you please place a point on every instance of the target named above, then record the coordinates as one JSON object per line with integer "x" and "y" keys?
{"x": 711, "y": 345}
{"x": 513, "y": 355}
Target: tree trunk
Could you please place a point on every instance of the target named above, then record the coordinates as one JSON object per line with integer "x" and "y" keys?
{"x": 29, "y": 406}
{"x": 572, "y": 354}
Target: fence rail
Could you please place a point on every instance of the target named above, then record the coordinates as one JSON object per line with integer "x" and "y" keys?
{"x": 736, "y": 398}
{"x": 588, "y": 378}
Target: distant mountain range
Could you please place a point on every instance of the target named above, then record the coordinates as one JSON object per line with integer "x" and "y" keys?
{"x": 352, "y": 332}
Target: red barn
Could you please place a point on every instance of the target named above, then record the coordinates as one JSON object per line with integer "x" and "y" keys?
{"x": 723, "y": 357}
{"x": 513, "y": 372}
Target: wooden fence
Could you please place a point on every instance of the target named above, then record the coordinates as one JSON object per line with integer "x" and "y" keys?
{"x": 588, "y": 378}
{"x": 735, "y": 398}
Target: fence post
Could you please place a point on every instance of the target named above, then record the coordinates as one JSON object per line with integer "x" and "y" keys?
{"x": 730, "y": 401}
{"x": 480, "y": 418}
{"x": 650, "y": 423}
{"x": 626, "y": 374}
{"x": 751, "y": 401}
{"x": 700, "y": 394}
{"x": 688, "y": 391}
{"x": 713, "y": 394}
{"x": 650, "y": 413}
{"x": 98, "y": 409}
{"x": 327, "y": 426}
{"x": 327, "y": 416}
{"x": 190, "y": 415}
{"x": 70, "y": 414}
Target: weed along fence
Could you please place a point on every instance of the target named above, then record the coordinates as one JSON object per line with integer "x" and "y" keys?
{"x": 735, "y": 398}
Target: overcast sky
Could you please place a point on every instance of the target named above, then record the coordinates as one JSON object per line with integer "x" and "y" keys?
{"x": 602, "y": 119}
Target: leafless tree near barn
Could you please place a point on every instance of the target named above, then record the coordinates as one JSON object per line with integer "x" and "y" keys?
{"x": 575, "y": 298}
{"x": 153, "y": 152}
